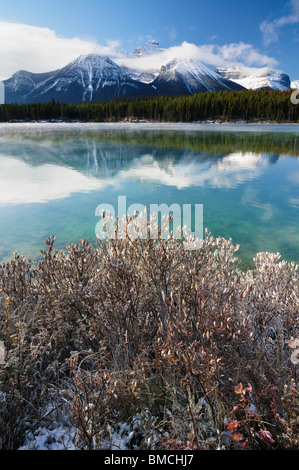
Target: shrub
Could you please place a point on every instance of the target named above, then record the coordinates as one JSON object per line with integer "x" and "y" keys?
{"x": 185, "y": 340}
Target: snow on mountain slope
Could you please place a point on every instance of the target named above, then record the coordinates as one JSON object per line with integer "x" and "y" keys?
{"x": 295, "y": 84}
{"x": 87, "y": 78}
{"x": 149, "y": 48}
{"x": 89, "y": 73}
{"x": 191, "y": 76}
{"x": 94, "y": 77}
{"x": 140, "y": 75}
{"x": 148, "y": 71}
{"x": 252, "y": 78}
{"x": 22, "y": 83}
{"x": 133, "y": 66}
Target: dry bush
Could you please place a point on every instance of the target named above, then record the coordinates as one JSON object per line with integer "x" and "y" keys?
{"x": 143, "y": 327}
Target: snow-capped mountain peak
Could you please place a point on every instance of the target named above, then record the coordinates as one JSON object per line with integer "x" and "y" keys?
{"x": 149, "y": 48}
{"x": 191, "y": 67}
{"x": 88, "y": 78}
{"x": 193, "y": 76}
{"x": 254, "y": 78}
{"x": 148, "y": 71}
{"x": 91, "y": 59}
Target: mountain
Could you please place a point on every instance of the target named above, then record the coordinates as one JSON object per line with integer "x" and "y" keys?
{"x": 188, "y": 76}
{"x": 88, "y": 78}
{"x": 256, "y": 79}
{"x": 295, "y": 85}
{"x": 149, "y": 48}
{"x": 23, "y": 83}
{"x": 140, "y": 75}
{"x": 94, "y": 78}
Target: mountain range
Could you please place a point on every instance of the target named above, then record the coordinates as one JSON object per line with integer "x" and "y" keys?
{"x": 93, "y": 78}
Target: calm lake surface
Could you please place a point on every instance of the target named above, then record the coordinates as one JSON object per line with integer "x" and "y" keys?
{"x": 53, "y": 176}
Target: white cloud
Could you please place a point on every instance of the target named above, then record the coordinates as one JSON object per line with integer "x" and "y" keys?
{"x": 24, "y": 184}
{"x": 234, "y": 54}
{"x": 40, "y": 49}
{"x": 270, "y": 29}
{"x": 246, "y": 54}
{"x": 229, "y": 172}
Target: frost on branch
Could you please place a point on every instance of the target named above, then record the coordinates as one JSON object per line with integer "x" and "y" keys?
{"x": 142, "y": 326}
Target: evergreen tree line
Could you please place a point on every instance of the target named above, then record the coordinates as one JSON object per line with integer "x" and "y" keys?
{"x": 248, "y": 105}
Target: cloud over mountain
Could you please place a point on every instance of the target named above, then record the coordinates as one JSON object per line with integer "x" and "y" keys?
{"x": 39, "y": 50}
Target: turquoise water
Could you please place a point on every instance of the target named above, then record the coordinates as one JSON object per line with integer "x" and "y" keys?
{"x": 52, "y": 178}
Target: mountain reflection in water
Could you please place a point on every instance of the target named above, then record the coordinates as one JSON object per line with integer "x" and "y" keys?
{"x": 52, "y": 182}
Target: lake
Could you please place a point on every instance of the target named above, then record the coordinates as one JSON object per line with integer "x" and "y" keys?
{"x": 53, "y": 176}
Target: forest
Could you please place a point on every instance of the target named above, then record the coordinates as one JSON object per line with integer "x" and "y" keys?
{"x": 246, "y": 105}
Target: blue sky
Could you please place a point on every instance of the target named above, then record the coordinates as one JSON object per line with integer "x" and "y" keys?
{"x": 42, "y": 34}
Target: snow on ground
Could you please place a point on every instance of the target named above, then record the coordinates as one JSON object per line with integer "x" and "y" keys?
{"x": 122, "y": 436}
{"x": 59, "y": 438}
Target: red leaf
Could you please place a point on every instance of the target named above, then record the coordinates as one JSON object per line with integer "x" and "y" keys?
{"x": 235, "y": 409}
{"x": 232, "y": 425}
